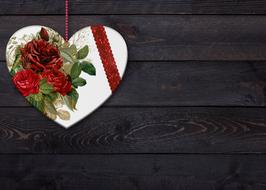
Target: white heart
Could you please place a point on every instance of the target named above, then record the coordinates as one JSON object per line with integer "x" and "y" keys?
{"x": 97, "y": 89}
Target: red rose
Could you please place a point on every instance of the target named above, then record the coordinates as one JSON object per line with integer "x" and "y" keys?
{"x": 39, "y": 55}
{"x": 58, "y": 80}
{"x": 27, "y": 82}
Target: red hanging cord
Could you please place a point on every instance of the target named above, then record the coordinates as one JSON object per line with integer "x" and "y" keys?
{"x": 66, "y": 20}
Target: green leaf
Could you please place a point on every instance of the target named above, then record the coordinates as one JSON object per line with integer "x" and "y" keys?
{"x": 67, "y": 68}
{"x": 71, "y": 99}
{"x": 79, "y": 82}
{"x": 74, "y": 96}
{"x": 42, "y": 82}
{"x": 87, "y": 67}
{"x": 52, "y": 96}
{"x": 64, "y": 115}
{"x": 68, "y": 102}
{"x": 75, "y": 71}
{"x": 17, "y": 66}
{"x": 83, "y": 52}
{"x": 37, "y": 100}
{"x": 74, "y": 85}
{"x": 67, "y": 57}
{"x": 45, "y": 88}
{"x": 15, "y": 69}
{"x": 56, "y": 39}
{"x": 71, "y": 51}
{"x": 17, "y": 51}
{"x": 49, "y": 106}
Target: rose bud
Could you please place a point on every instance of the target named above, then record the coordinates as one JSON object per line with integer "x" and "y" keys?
{"x": 44, "y": 34}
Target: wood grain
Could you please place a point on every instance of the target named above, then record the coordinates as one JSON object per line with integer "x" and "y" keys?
{"x": 187, "y": 83}
{"x": 207, "y": 56}
{"x": 179, "y": 37}
{"x": 137, "y": 130}
{"x": 134, "y": 7}
{"x": 131, "y": 172}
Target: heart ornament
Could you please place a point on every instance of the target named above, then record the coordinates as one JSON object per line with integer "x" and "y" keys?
{"x": 66, "y": 81}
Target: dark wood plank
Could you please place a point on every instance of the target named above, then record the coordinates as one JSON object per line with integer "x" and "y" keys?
{"x": 191, "y": 83}
{"x": 134, "y": 7}
{"x": 168, "y": 37}
{"x": 137, "y": 130}
{"x": 131, "y": 172}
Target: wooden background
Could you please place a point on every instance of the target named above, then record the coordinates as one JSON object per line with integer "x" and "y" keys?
{"x": 190, "y": 113}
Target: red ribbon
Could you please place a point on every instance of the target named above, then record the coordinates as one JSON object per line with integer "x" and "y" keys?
{"x": 107, "y": 56}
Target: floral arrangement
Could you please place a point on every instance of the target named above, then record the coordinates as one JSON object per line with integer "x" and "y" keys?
{"x": 46, "y": 71}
